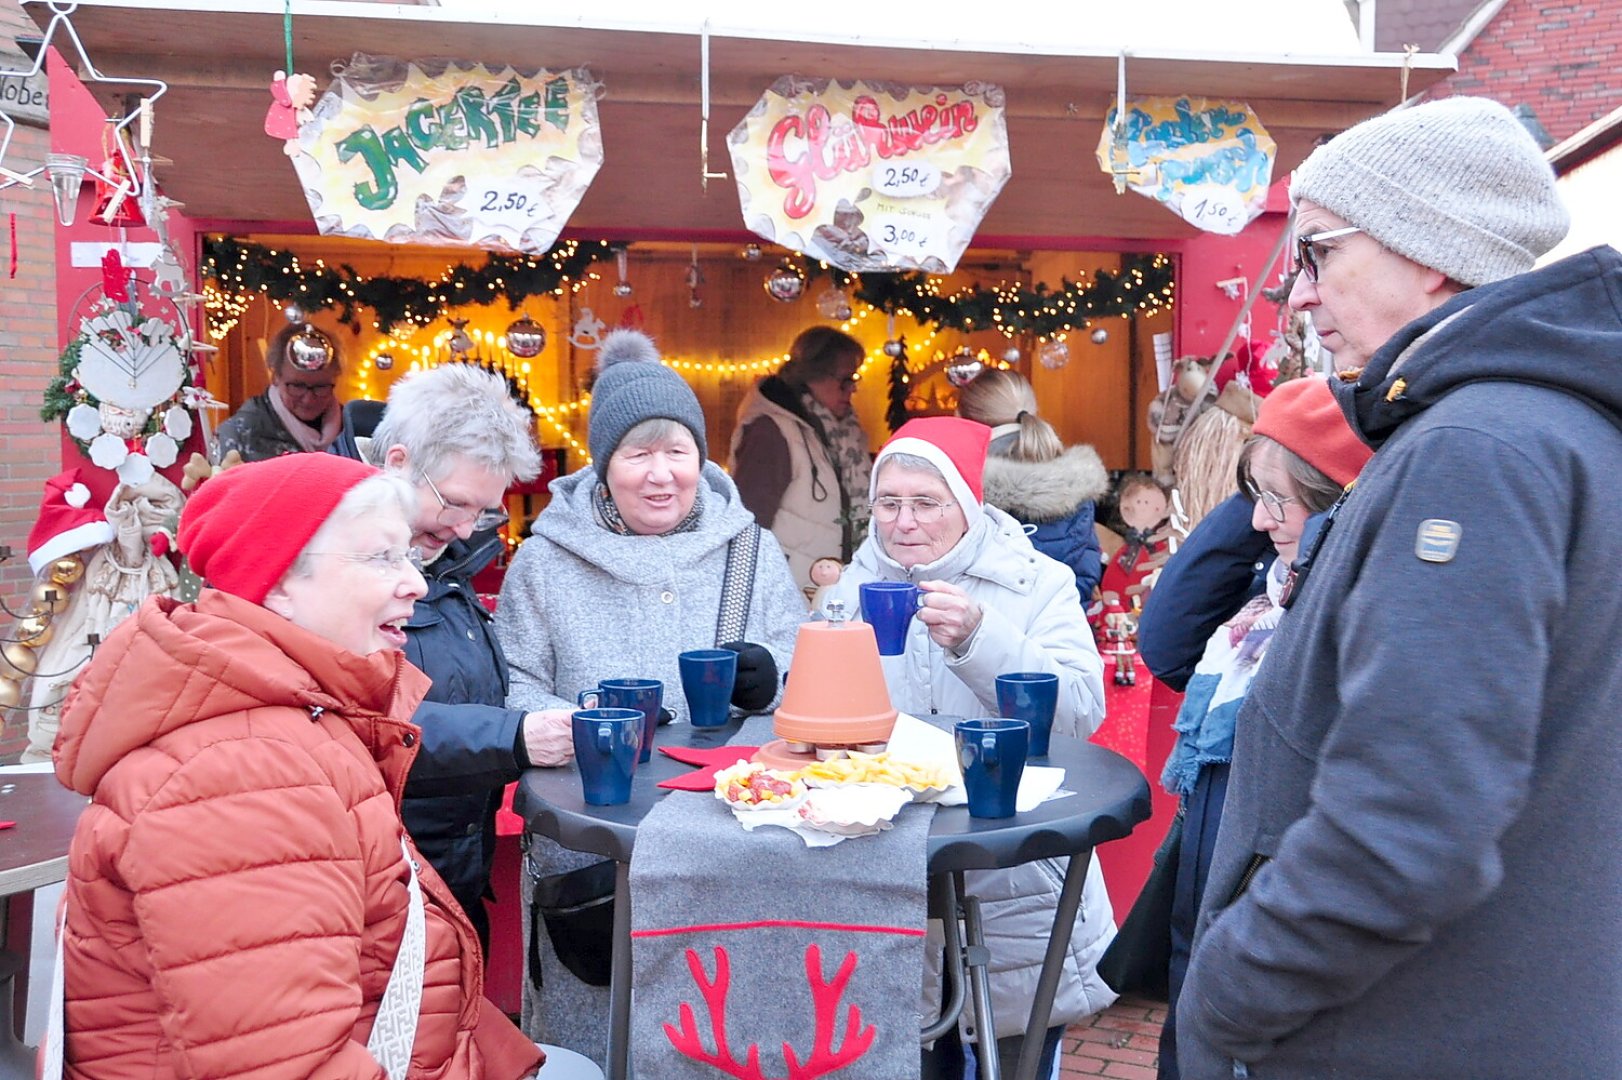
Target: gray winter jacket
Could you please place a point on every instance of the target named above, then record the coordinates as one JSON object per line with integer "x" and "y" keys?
{"x": 1418, "y": 873}
{"x": 580, "y": 604}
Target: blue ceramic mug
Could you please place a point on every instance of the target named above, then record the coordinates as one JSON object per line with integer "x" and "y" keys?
{"x": 606, "y": 745}
{"x": 992, "y": 753}
{"x": 1032, "y": 696}
{"x": 888, "y": 607}
{"x": 643, "y": 695}
{"x": 707, "y": 676}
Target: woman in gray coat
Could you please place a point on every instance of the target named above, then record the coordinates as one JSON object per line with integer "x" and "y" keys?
{"x": 622, "y": 572}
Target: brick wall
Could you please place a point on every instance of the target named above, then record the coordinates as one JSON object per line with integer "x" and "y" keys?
{"x": 29, "y": 449}
{"x": 1564, "y": 59}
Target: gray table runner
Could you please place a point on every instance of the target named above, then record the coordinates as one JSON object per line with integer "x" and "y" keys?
{"x": 757, "y": 957}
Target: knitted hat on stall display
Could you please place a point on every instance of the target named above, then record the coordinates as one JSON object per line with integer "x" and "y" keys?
{"x": 955, "y": 446}
{"x": 1303, "y": 416}
{"x": 632, "y": 386}
{"x": 245, "y": 527}
{"x": 67, "y": 523}
{"x": 1456, "y": 185}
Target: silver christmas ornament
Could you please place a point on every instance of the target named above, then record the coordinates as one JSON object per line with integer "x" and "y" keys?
{"x": 1100, "y": 336}
{"x": 459, "y": 343}
{"x": 786, "y": 284}
{"x": 525, "y": 338}
{"x": 750, "y": 253}
{"x": 295, "y": 315}
{"x": 310, "y": 349}
{"x": 383, "y": 361}
{"x": 623, "y": 289}
{"x": 963, "y": 369}
{"x": 832, "y": 304}
{"x": 1010, "y": 355}
{"x": 893, "y": 348}
{"x": 1053, "y": 354}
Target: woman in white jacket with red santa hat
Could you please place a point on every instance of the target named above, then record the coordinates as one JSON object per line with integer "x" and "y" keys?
{"x": 991, "y": 603}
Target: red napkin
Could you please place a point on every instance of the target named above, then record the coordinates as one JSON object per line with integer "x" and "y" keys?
{"x": 708, "y": 760}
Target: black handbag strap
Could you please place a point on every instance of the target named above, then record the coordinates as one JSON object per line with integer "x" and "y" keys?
{"x": 737, "y": 586}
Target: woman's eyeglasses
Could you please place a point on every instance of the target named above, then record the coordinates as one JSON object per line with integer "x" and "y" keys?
{"x": 924, "y": 511}
{"x": 383, "y": 562}
{"x": 1306, "y": 255}
{"x": 451, "y": 515}
{"x": 1272, "y": 501}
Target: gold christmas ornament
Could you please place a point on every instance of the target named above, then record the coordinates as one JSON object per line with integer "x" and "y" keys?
{"x": 11, "y": 694}
{"x": 48, "y": 597}
{"x": 67, "y": 570}
{"x": 17, "y": 661}
{"x": 34, "y": 631}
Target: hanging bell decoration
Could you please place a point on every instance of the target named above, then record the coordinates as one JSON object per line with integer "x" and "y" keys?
{"x": 460, "y": 343}
{"x": 1053, "y": 354}
{"x": 310, "y": 349}
{"x": 1100, "y": 336}
{"x": 786, "y": 284}
{"x": 525, "y": 338}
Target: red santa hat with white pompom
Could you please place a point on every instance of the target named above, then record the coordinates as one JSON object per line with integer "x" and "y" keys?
{"x": 67, "y": 522}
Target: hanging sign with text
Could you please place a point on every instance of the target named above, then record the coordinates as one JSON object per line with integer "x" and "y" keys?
{"x": 447, "y": 152}
{"x": 1210, "y": 162}
{"x": 870, "y": 176}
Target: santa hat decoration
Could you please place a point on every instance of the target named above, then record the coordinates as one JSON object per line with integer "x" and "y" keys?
{"x": 955, "y": 446}
{"x": 67, "y": 522}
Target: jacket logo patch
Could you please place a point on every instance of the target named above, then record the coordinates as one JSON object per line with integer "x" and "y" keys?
{"x": 1438, "y": 540}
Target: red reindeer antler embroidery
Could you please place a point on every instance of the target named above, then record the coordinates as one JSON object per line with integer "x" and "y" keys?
{"x": 825, "y": 997}
{"x": 714, "y": 992}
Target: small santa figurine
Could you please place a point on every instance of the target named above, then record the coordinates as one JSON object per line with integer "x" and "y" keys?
{"x": 1119, "y": 639}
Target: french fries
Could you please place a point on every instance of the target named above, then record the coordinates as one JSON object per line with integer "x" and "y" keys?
{"x": 859, "y": 768}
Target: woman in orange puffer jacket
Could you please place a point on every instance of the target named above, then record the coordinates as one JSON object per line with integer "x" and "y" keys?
{"x": 237, "y": 890}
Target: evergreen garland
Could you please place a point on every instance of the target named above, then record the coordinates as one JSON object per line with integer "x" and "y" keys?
{"x": 1143, "y": 285}
{"x": 59, "y": 392}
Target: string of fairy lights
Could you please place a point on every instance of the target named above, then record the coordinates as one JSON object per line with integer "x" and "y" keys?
{"x": 237, "y": 273}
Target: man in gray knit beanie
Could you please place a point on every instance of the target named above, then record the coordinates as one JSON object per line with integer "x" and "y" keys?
{"x": 1413, "y": 877}
{"x": 1403, "y": 211}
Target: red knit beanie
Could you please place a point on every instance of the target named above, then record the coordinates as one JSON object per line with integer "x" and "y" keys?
{"x": 1303, "y": 416}
{"x": 245, "y": 526}
{"x": 955, "y": 446}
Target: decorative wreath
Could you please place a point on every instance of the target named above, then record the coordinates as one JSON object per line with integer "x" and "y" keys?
{"x": 124, "y": 389}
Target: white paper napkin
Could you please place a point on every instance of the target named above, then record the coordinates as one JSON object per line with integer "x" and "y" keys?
{"x": 925, "y": 744}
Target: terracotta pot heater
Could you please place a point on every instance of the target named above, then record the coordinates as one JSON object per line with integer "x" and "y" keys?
{"x": 835, "y": 699}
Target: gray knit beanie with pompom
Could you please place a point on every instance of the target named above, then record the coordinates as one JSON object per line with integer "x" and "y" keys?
{"x": 1456, "y": 185}
{"x": 632, "y": 386}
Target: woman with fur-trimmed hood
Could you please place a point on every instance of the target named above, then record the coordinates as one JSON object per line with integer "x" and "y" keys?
{"x": 1033, "y": 477}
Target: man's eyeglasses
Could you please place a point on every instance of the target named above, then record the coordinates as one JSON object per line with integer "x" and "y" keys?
{"x": 1306, "y": 257}
{"x": 1271, "y": 500}
{"x": 451, "y": 515}
{"x": 924, "y": 511}
{"x": 383, "y": 562}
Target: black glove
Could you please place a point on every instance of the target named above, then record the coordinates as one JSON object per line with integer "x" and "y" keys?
{"x": 757, "y": 676}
